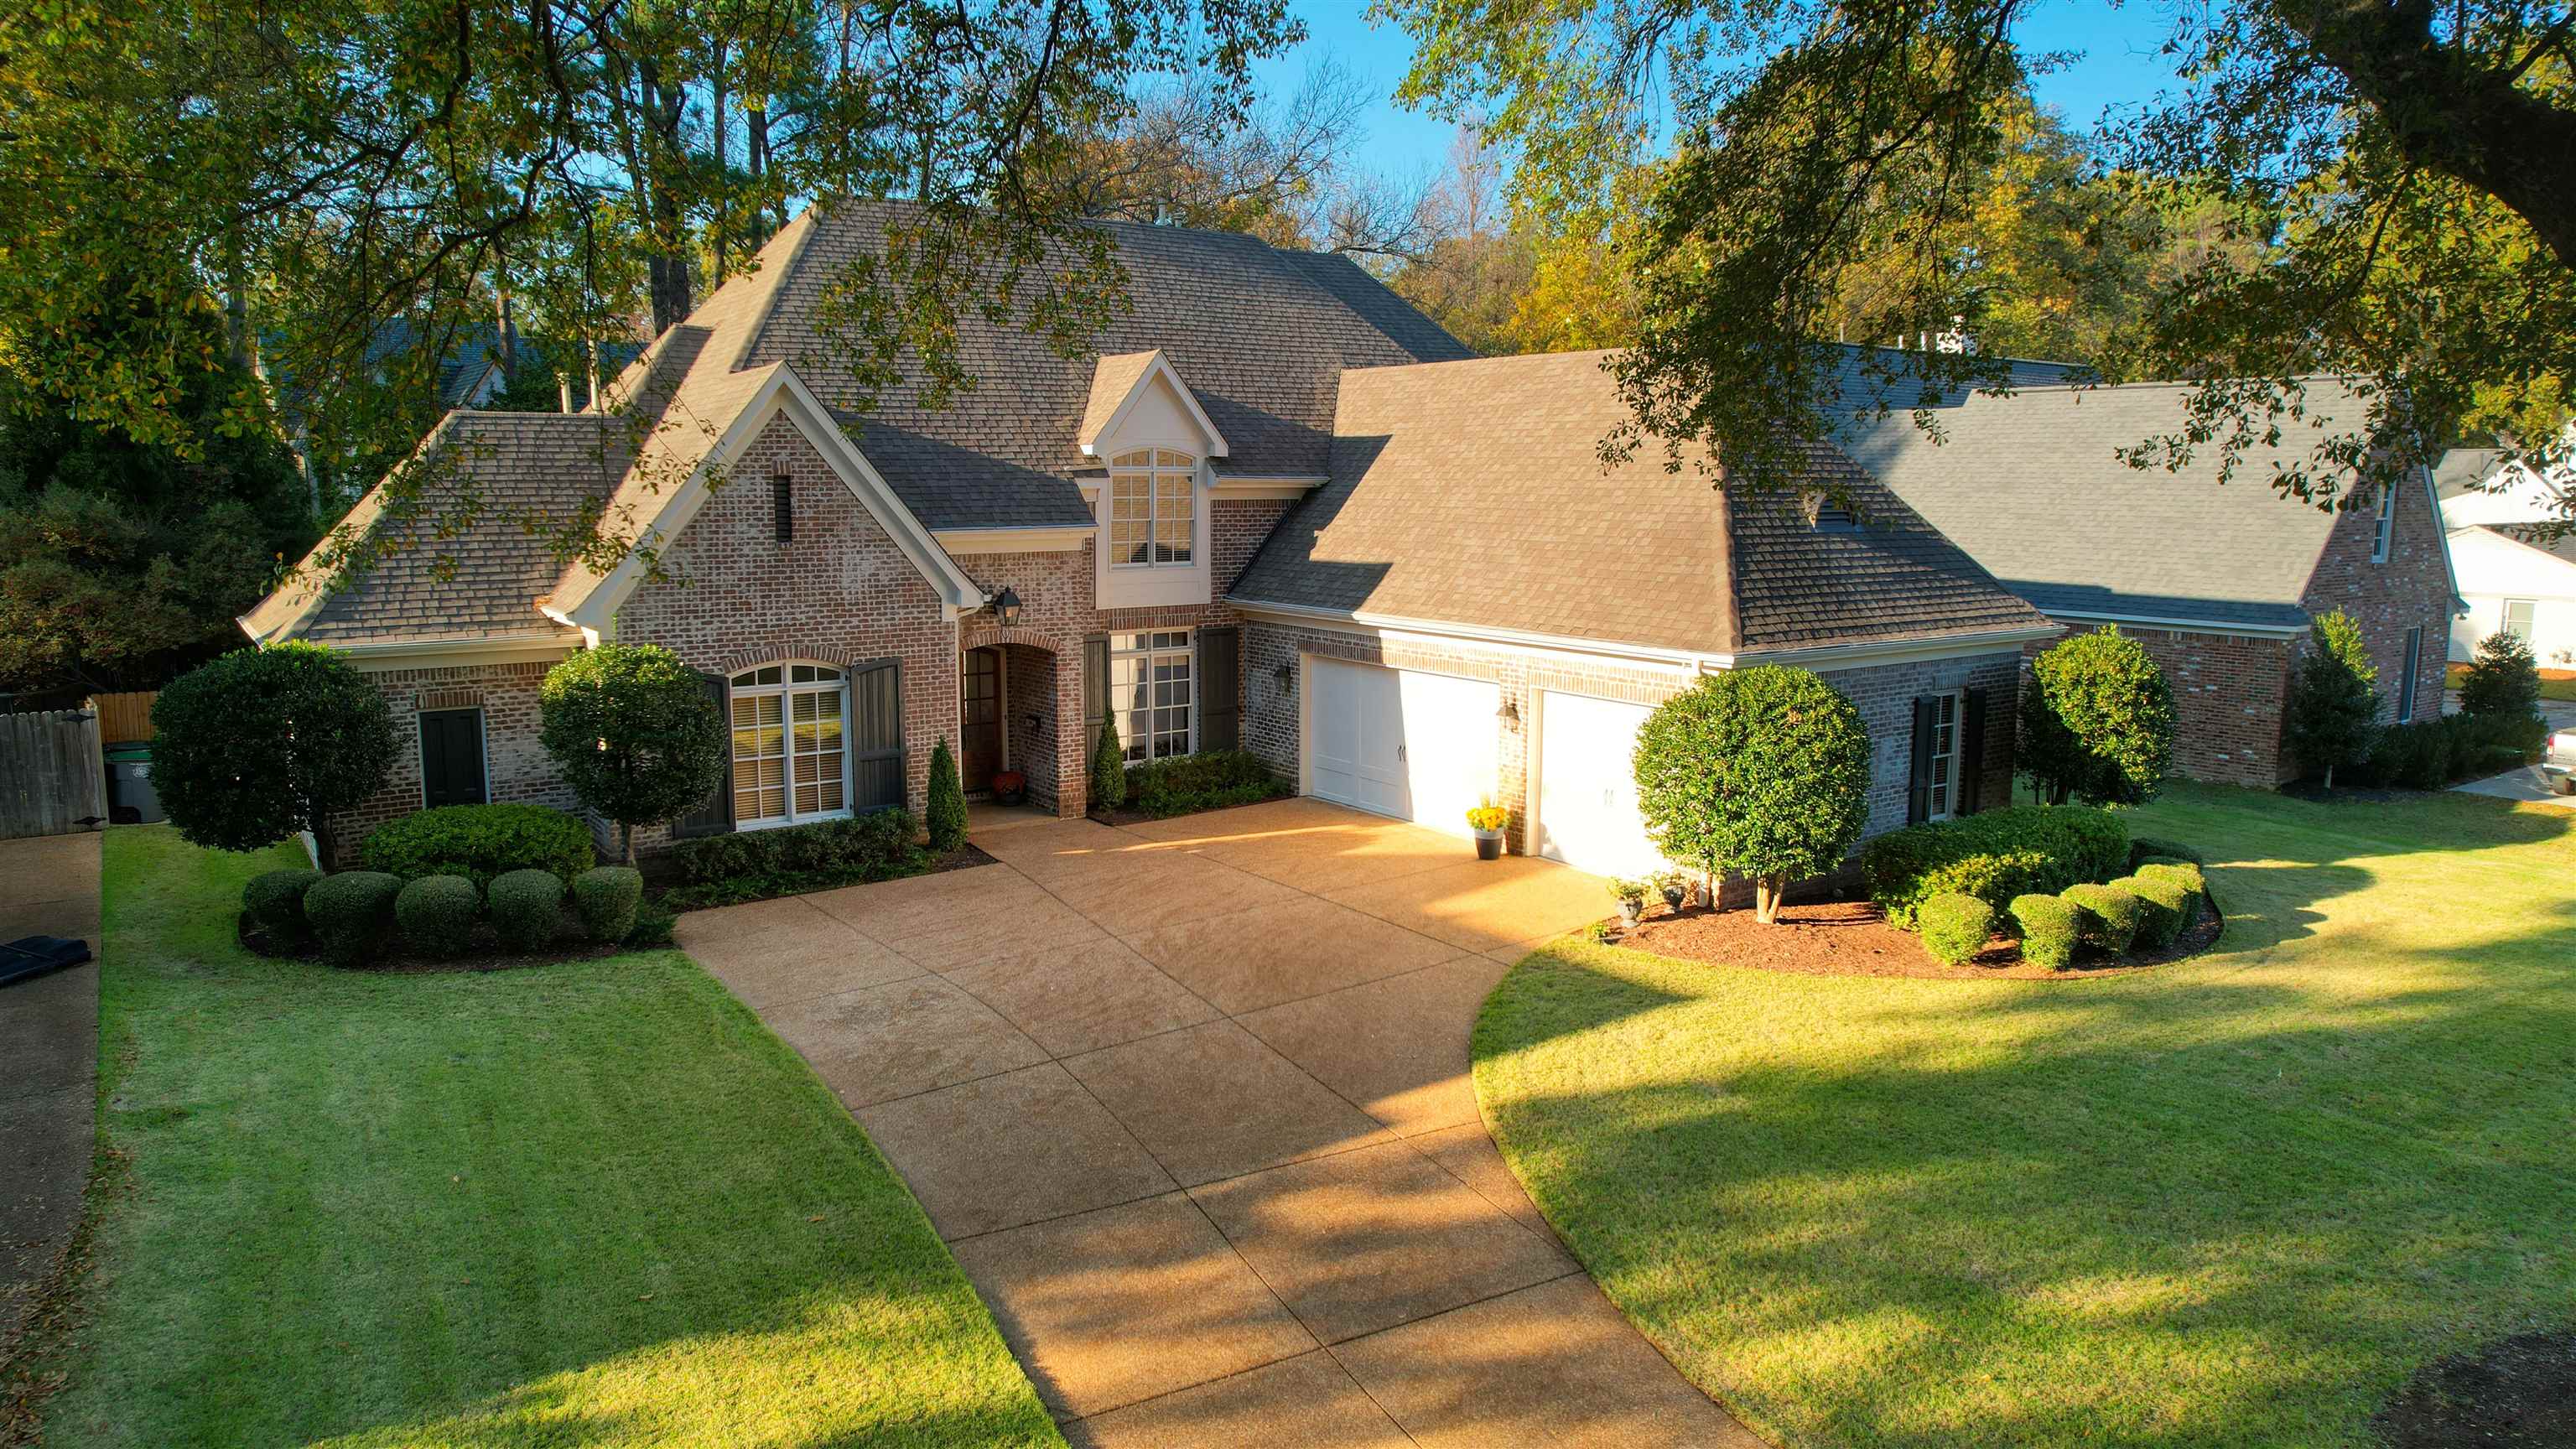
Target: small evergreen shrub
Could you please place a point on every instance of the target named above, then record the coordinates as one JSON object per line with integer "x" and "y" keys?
{"x": 2047, "y": 927}
{"x": 2182, "y": 873}
{"x": 1954, "y": 927}
{"x": 1994, "y": 855}
{"x": 2144, "y": 848}
{"x": 480, "y": 843}
{"x": 2162, "y": 908}
{"x": 1108, "y": 771}
{"x": 2105, "y": 915}
{"x": 351, "y": 913}
{"x": 2505, "y": 680}
{"x": 274, "y": 902}
{"x": 606, "y": 898}
{"x": 947, "y": 801}
{"x": 435, "y": 914}
{"x": 527, "y": 909}
{"x": 2096, "y": 721}
{"x": 653, "y": 926}
{"x": 876, "y": 846}
{"x": 1185, "y": 784}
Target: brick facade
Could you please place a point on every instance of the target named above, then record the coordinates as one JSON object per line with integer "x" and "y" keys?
{"x": 2410, "y": 590}
{"x": 2229, "y": 691}
{"x": 514, "y": 765}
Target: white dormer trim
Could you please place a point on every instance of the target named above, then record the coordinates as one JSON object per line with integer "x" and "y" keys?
{"x": 784, "y": 395}
{"x": 1106, "y": 438}
{"x": 1253, "y": 486}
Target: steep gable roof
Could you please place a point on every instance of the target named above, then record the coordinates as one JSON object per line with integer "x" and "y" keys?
{"x": 1474, "y": 493}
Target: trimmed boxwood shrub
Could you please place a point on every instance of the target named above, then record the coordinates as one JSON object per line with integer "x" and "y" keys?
{"x": 653, "y": 926}
{"x": 1995, "y": 856}
{"x": 1108, "y": 770}
{"x": 1185, "y": 784}
{"x": 2181, "y": 873}
{"x": 606, "y": 897}
{"x": 527, "y": 909}
{"x": 436, "y": 914}
{"x": 274, "y": 902}
{"x": 2047, "y": 926}
{"x": 871, "y": 847}
{"x": 2162, "y": 908}
{"x": 480, "y": 843}
{"x": 351, "y": 913}
{"x": 2105, "y": 915}
{"x": 1954, "y": 927}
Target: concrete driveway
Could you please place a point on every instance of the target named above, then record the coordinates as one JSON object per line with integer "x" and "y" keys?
{"x": 1190, "y": 1103}
{"x": 48, "y": 1064}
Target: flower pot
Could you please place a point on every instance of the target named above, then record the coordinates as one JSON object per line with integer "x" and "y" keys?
{"x": 1489, "y": 845}
{"x": 1629, "y": 911}
{"x": 1673, "y": 898}
{"x": 1010, "y": 787}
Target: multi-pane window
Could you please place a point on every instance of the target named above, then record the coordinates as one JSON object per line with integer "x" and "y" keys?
{"x": 2518, "y": 615}
{"x": 1151, "y": 519}
{"x": 1151, "y": 693}
{"x": 1945, "y": 755}
{"x": 791, "y": 747}
{"x": 2387, "y": 523}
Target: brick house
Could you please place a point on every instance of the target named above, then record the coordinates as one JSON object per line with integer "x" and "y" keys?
{"x": 1276, "y": 509}
{"x": 2218, "y": 579}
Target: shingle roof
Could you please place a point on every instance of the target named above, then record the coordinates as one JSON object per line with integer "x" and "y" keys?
{"x": 1474, "y": 493}
{"x": 2031, "y": 485}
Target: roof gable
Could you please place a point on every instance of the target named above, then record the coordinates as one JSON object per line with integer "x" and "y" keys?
{"x": 1135, "y": 397}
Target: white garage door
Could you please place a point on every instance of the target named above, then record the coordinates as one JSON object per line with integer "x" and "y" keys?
{"x": 1587, "y": 791}
{"x": 1398, "y": 742}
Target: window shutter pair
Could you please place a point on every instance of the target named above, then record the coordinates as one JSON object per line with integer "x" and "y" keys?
{"x": 714, "y": 814}
{"x": 1095, "y": 690}
{"x": 1220, "y": 689}
{"x": 1918, "y": 779}
{"x": 451, "y": 757}
{"x": 1966, "y": 770}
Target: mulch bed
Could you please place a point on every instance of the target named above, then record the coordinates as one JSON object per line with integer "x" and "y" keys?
{"x": 2516, "y": 1394}
{"x": 1852, "y": 938}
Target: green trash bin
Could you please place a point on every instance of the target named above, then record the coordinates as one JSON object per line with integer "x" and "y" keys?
{"x": 131, "y": 800}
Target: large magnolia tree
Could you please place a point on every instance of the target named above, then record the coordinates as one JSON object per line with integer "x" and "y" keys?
{"x": 2384, "y": 193}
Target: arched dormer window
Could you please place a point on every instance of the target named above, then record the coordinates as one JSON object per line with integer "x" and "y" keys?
{"x": 791, "y": 744}
{"x": 1152, "y": 517}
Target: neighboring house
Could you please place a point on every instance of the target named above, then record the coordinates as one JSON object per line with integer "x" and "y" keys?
{"x": 1278, "y": 509}
{"x": 2218, "y": 581}
{"x": 2515, "y": 578}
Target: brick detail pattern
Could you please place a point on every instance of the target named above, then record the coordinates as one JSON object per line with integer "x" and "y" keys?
{"x": 514, "y": 762}
{"x": 1884, "y": 694}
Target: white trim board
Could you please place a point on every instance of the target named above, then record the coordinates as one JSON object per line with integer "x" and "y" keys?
{"x": 1157, "y": 365}
{"x": 1517, "y": 641}
{"x": 2185, "y": 626}
{"x": 1014, "y": 540}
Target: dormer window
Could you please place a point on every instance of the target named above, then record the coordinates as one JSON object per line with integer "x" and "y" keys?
{"x": 1151, "y": 513}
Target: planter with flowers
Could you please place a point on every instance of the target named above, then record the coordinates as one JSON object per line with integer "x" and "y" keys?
{"x": 1488, "y": 820}
{"x": 1010, "y": 787}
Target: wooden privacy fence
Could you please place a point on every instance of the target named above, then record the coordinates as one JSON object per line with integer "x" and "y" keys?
{"x": 52, "y": 779}
{"x": 124, "y": 718}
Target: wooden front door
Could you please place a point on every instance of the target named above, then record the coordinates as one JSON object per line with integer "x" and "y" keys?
{"x": 980, "y": 713}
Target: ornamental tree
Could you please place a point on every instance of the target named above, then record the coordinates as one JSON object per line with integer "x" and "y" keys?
{"x": 634, "y": 733}
{"x": 2334, "y": 703}
{"x": 2097, "y": 721}
{"x": 2504, "y": 679}
{"x": 1761, "y": 771}
{"x": 257, "y": 744}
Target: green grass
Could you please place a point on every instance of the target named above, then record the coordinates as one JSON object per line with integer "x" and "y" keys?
{"x": 587, "y": 1204}
{"x": 2236, "y": 1201}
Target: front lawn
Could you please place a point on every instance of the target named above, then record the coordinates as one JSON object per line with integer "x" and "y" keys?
{"x": 594, "y": 1203}
{"x": 2236, "y": 1201}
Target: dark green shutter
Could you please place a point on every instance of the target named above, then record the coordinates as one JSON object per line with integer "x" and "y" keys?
{"x": 714, "y": 814}
{"x": 1095, "y": 690}
{"x": 876, "y": 736}
{"x": 1971, "y": 788}
{"x": 1221, "y": 689}
{"x": 1918, "y": 782}
{"x": 451, "y": 757}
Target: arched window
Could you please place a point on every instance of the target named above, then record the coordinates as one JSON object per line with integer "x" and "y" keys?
{"x": 1151, "y": 517}
{"x": 791, "y": 744}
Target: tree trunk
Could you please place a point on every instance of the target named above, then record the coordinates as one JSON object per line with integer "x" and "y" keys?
{"x": 625, "y": 843}
{"x": 1766, "y": 898}
{"x": 2329, "y": 779}
{"x": 755, "y": 125}
{"x": 716, "y": 99}
{"x": 323, "y": 847}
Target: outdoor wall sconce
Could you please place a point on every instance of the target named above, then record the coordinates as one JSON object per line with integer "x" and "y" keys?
{"x": 1287, "y": 676}
{"x": 1510, "y": 713}
{"x": 1006, "y": 606}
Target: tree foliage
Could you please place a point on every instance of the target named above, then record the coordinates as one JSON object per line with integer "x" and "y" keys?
{"x": 2403, "y": 178}
{"x": 2504, "y": 678}
{"x": 2096, "y": 721}
{"x": 258, "y": 744}
{"x": 632, "y": 731}
{"x": 2333, "y": 715}
{"x": 1761, "y": 771}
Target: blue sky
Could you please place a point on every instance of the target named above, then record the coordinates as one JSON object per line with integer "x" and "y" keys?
{"x": 2118, "y": 66}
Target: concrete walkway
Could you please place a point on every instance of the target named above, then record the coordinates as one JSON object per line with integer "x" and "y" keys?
{"x": 48, "y": 1063}
{"x": 1190, "y": 1103}
{"x": 2525, "y": 782}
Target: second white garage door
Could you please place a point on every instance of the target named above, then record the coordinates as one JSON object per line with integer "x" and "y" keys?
{"x": 1587, "y": 789}
{"x": 1416, "y": 746}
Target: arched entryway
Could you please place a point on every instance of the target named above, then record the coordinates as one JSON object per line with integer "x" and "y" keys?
{"x": 1018, "y": 710}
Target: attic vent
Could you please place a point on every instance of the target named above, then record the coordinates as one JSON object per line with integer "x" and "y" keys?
{"x": 1826, "y": 516}
{"x": 782, "y": 504}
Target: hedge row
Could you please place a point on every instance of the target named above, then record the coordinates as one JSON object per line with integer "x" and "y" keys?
{"x": 358, "y": 915}
{"x": 2146, "y": 910}
{"x": 479, "y": 842}
{"x": 1996, "y": 856}
{"x": 1186, "y": 784}
{"x": 753, "y": 865}
{"x": 2431, "y": 754}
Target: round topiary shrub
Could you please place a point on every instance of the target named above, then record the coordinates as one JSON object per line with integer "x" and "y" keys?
{"x": 1954, "y": 927}
{"x": 254, "y": 746}
{"x": 606, "y": 899}
{"x": 435, "y": 914}
{"x": 274, "y": 902}
{"x": 2107, "y": 916}
{"x": 527, "y": 909}
{"x": 351, "y": 913}
{"x": 2048, "y": 930}
{"x": 2097, "y": 721}
{"x": 2181, "y": 872}
{"x": 480, "y": 843}
{"x": 2164, "y": 908}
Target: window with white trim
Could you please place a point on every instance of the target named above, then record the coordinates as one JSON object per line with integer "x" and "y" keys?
{"x": 791, "y": 745}
{"x": 2518, "y": 616}
{"x": 1945, "y": 757}
{"x": 1152, "y": 513}
{"x": 2387, "y": 523}
{"x": 1153, "y": 693}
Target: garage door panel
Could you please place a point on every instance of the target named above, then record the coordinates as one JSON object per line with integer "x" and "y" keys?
{"x": 1587, "y": 787}
{"x": 1449, "y": 746}
{"x": 1399, "y": 742}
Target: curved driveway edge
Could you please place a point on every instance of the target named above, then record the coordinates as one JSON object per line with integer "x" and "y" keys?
{"x": 1190, "y": 1103}
{"x": 48, "y": 1065}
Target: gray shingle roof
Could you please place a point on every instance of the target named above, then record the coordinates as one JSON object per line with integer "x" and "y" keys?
{"x": 2032, "y": 487}
{"x": 1473, "y": 493}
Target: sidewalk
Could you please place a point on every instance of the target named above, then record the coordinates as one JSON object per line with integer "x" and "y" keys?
{"x": 48, "y": 1063}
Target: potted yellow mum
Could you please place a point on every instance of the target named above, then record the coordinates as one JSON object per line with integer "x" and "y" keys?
{"x": 1488, "y": 820}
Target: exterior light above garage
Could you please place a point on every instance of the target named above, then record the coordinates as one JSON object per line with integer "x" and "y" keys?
{"x": 1510, "y": 713}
